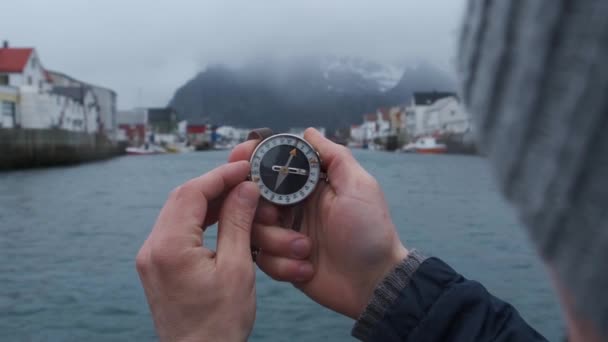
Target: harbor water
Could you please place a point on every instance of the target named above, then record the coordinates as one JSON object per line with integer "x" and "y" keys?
{"x": 68, "y": 238}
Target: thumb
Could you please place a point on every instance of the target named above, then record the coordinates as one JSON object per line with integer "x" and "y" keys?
{"x": 236, "y": 218}
{"x": 342, "y": 168}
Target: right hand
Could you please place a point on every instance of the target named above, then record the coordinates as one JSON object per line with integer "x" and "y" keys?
{"x": 347, "y": 234}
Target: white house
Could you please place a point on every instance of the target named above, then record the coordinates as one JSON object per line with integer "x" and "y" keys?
{"x": 416, "y": 112}
{"x": 383, "y": 123}
{"x": 357, "y": 134}
{"x": 369, "y": 127}
{"x": 31, "y": 97}
{"x": 446, "y": 115}
{"x": 232, "y": 134}
{"x": 21, "y": 67}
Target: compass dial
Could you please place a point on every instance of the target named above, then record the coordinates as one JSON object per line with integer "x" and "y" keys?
{"x": 286, "y": 168}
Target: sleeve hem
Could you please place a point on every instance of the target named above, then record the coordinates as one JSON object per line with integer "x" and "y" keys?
{"x": 385, "y": 295}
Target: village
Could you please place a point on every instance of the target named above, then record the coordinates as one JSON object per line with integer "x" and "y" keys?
{"x": 44, "y": 112}
{"x": 434, "y": 122}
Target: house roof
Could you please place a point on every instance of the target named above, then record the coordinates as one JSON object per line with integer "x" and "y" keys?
{"x": 428, "y": 98}
{"x": 75, "y": 93}
{"x": 52, "y": 75}
{"x": 47, "y": 76}
{"x": 14, "y": 59}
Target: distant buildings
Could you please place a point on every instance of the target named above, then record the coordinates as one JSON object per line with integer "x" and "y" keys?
{"x": 429, "y": 113}
{"x": 162, "y": 120}
{"x": 198, "y": 133}
{"x": 133, "y": 126}
{"x": 299, "y": 131}
{"x": 105, "y": 99}
{"x": 36, "y": 98}
{"x": 416, "y": 112}
{"x": 142, "y": 125}
{"x": 445, "y": 115}
{"x": 380, "y": 125}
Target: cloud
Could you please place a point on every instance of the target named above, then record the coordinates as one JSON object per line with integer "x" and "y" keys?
{"x": 146, "y": 49}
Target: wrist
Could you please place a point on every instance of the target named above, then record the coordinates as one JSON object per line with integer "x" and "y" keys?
{"x": 229, "y": 334}
{"x": 366, "y": 292}
{"x": 386, "y": 293}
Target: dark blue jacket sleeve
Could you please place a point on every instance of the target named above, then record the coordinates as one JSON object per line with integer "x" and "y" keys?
{"x": 439, "y": 304}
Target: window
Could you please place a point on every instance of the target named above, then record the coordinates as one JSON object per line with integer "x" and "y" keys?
{"x": 29, "y": 80}
{"x": 4, "y": 80}
{"x": 7, "y": 113}
{"x": 34, "y": 62}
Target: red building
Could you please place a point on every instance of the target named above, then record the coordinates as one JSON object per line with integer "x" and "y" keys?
{"x": 198, "y": 132}
{"x": 196, "y": 129}
{"x": 134, "y": 133}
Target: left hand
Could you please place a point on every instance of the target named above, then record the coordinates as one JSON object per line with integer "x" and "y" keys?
{"x": 196, "y": 294}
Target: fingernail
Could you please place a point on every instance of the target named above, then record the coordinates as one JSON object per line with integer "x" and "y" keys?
{"x": 249, "y": 193}
{"x": 299, "y": 248}
{"x": 305, "y": 271}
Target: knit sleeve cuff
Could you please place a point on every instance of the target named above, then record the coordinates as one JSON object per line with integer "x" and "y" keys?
{"x": 385, "y": 294}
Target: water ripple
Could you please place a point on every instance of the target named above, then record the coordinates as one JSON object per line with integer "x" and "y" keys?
{"x": 68, "y": 237}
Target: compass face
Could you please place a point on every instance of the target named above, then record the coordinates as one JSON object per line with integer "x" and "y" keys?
{"x": 286, "y": 168}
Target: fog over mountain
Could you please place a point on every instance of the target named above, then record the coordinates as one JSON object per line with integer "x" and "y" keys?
{"x": 144, "y": 50}
{"x": 332, "y": 92}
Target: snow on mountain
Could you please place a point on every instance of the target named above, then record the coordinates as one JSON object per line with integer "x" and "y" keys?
{"x": 382, "y": 77}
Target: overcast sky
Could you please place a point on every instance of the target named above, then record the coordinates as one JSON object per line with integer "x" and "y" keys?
{"x": 145, "y": 49}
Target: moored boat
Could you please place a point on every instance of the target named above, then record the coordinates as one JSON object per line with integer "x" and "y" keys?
{"x": 408, "y": 148}
{"x": 146, "y": 149}
{"x": 429, "y": 145}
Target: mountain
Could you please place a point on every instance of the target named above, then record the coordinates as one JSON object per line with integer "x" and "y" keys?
{"x": 300, "y": 92}
{"x": 423, "y": 77}
{"x": 376, "y": 76}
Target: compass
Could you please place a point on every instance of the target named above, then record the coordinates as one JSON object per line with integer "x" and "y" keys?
{"x": 286, "y": 168}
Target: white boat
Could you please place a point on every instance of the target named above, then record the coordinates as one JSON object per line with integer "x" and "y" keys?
{"x": 429, "y": 145}
{"x": 146, "y": 149}
{"x": 409, "y": 148}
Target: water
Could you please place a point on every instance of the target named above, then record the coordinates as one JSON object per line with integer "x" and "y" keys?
{"x": 68, "y": 237}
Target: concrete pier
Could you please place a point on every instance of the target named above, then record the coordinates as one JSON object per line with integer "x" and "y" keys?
{"x": 29, "y": 148}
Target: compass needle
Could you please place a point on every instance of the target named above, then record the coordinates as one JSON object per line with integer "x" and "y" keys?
{"x": 285, "y": 169}
{"x": 288, "y": 168}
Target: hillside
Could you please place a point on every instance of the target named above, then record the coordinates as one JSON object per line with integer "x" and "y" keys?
{"x": 301, "y": 92}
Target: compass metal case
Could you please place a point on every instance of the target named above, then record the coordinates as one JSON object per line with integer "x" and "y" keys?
{"x": 286, "y": 168}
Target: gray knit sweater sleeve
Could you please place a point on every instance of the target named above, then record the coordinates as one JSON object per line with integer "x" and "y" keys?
{"x": 385, "y": 294}
{"x": 535, "y": 77}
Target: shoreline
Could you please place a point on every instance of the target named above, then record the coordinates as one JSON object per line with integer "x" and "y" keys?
{"x": 39, "y": 148}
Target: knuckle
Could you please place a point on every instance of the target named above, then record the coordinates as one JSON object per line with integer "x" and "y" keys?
{"x": 279, "y": 271}
{"x": 368, "y": 181}
{"x": 175, "y": 193}
{"x": 372, "y": 182}
{"x": 161, "y": 257}
{"x": 142, "y": 261}
{"x": 181, "y": 191}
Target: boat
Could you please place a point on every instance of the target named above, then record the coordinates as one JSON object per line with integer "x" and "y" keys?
{"x": 146, "y": 149}
{"x": 178, "y": 148}
{"x": 409, "y": 148}
{"x": 429, "y": 145}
